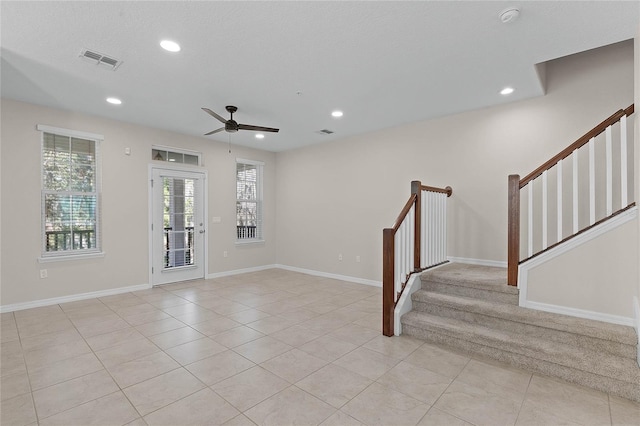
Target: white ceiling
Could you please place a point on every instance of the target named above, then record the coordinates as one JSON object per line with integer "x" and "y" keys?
{"x": 289, "y": 64}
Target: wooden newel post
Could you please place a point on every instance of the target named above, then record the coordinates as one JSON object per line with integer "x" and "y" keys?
{"x": 513, "y": 236}
{"x": 416, "y": 188}
{"x": 388, "y": 285}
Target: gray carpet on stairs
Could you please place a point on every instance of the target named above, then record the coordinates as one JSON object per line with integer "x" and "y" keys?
{"x": 471, "y": 308}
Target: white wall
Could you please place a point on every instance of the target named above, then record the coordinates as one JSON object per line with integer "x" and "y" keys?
{"x": 599, "y": 276}
{"x": 337, "y": 197}
{"x": 125, "y": 205}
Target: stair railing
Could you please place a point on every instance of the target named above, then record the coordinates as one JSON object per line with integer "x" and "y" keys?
{"x": 417, "y": 241}
{"x": 588, "y": 175}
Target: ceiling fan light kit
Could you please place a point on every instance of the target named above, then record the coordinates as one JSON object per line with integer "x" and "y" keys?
{"x": 232, "y": 126}
{"x": 509, "y": 15}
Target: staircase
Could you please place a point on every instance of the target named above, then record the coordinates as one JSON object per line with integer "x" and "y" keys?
{"x": 471, "y": 308}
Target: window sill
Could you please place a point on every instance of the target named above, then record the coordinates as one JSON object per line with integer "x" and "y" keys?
{"x": 247, "y": 242}
{"x": 67, "y": 257}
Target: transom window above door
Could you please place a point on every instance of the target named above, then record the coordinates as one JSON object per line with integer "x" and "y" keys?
{"x": 176, "y": 155}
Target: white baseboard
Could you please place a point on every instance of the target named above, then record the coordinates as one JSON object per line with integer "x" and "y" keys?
{"x": 71, "y": 298}
{"x": 481, "y": 262}
{"x": 94, "y": 294}
{"x": 580, "y": 313}
{"x": 240, "y": 271}
{"x": 332, "y": 276}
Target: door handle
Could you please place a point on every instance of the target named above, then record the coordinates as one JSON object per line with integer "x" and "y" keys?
{"x": 202, "y": 231}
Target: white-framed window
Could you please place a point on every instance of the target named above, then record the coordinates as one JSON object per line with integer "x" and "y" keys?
{"x": 70, "y": 194}
{"x": 249, "y": 200}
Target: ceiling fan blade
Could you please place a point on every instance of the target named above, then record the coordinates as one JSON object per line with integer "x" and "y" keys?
{"x": 213, "y": 114}
{"x": 214, "y": 131}
{"x": 257, "y": 128}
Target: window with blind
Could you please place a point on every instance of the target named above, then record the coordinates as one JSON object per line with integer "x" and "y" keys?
{"x": 249, "y": 200}
{"x": 70, "y": 193}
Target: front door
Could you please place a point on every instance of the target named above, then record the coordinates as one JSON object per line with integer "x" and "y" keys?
{"x": 178, "y": 225}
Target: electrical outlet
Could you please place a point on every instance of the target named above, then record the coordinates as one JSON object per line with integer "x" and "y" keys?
{"x": 43, "y": 273}
{"x": 357, "y": 259}
{"x": 225, "y": 254}
{"x": 340, "y": 257}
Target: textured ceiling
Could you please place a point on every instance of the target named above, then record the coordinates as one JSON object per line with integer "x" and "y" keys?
{"x": 289, "y": 64}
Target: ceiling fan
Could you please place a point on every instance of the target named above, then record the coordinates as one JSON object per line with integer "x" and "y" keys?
{"x": 232, "y": 126}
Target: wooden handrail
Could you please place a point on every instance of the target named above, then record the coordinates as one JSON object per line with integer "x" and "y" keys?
{"x": 403, "y": 213}
{"x": 577, "y": 144}
{"x": 447, "y": 190}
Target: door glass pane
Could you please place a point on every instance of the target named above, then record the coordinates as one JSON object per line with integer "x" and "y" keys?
{"x": 178, "y": 222}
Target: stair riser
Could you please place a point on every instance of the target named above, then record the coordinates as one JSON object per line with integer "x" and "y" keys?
{"x": 473, "y": 293}
{"x": 606, "y": 384}
{"x": 519, "y": 345}
{"x": 496, "y": 323}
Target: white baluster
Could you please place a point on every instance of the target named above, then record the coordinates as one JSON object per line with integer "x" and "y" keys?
{"x": 623, "y": 162}
{"x": 427, "y": 218}
{"x": 575, "y": 192}
{"x": 404, "y": 249}
{"x": 438, "y": 242}
{"x": 530, "y": 221}
{"x": 438, "y": 197}
{"x": 397, "y": 261}
{"x": 430, "y": 227}
{"x": 444, "y": 227}
{"x": 424, "y": 226}
{"x": 412, "y": 240}
{"x": 544, "y": 210}
{"x": 427, "y": 228}
{"x": 559, "y": 235}
{"x": 609, "y": 157}
{"x": 592, "y": 181}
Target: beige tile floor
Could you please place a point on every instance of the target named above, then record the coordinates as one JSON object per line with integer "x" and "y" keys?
{"x": 272, "y": 347}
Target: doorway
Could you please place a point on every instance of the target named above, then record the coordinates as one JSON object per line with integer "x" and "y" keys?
{"x": 178, "y": 219}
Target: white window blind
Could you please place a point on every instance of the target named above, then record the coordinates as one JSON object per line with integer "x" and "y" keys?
{"x": 249, "y": 200}
{"x": 70, "y": 196}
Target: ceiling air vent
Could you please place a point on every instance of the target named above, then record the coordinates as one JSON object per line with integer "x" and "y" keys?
{"x": 325, "y": 132}
{"x": 100, "y": 59}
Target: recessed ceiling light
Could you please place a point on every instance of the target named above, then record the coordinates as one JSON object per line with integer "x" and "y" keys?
{"x": 259, "y": 136}
{"x": 114, "y": 101}
{"x": 337, "y": 114}
{"x": 169, "y": 45}
{"x": 507, "y": 91}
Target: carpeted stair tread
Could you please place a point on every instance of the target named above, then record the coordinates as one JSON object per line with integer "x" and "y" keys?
{"x": 473, "y": 276}
{"x": 603, "y": 364}
{"x": 581, "y": 326}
